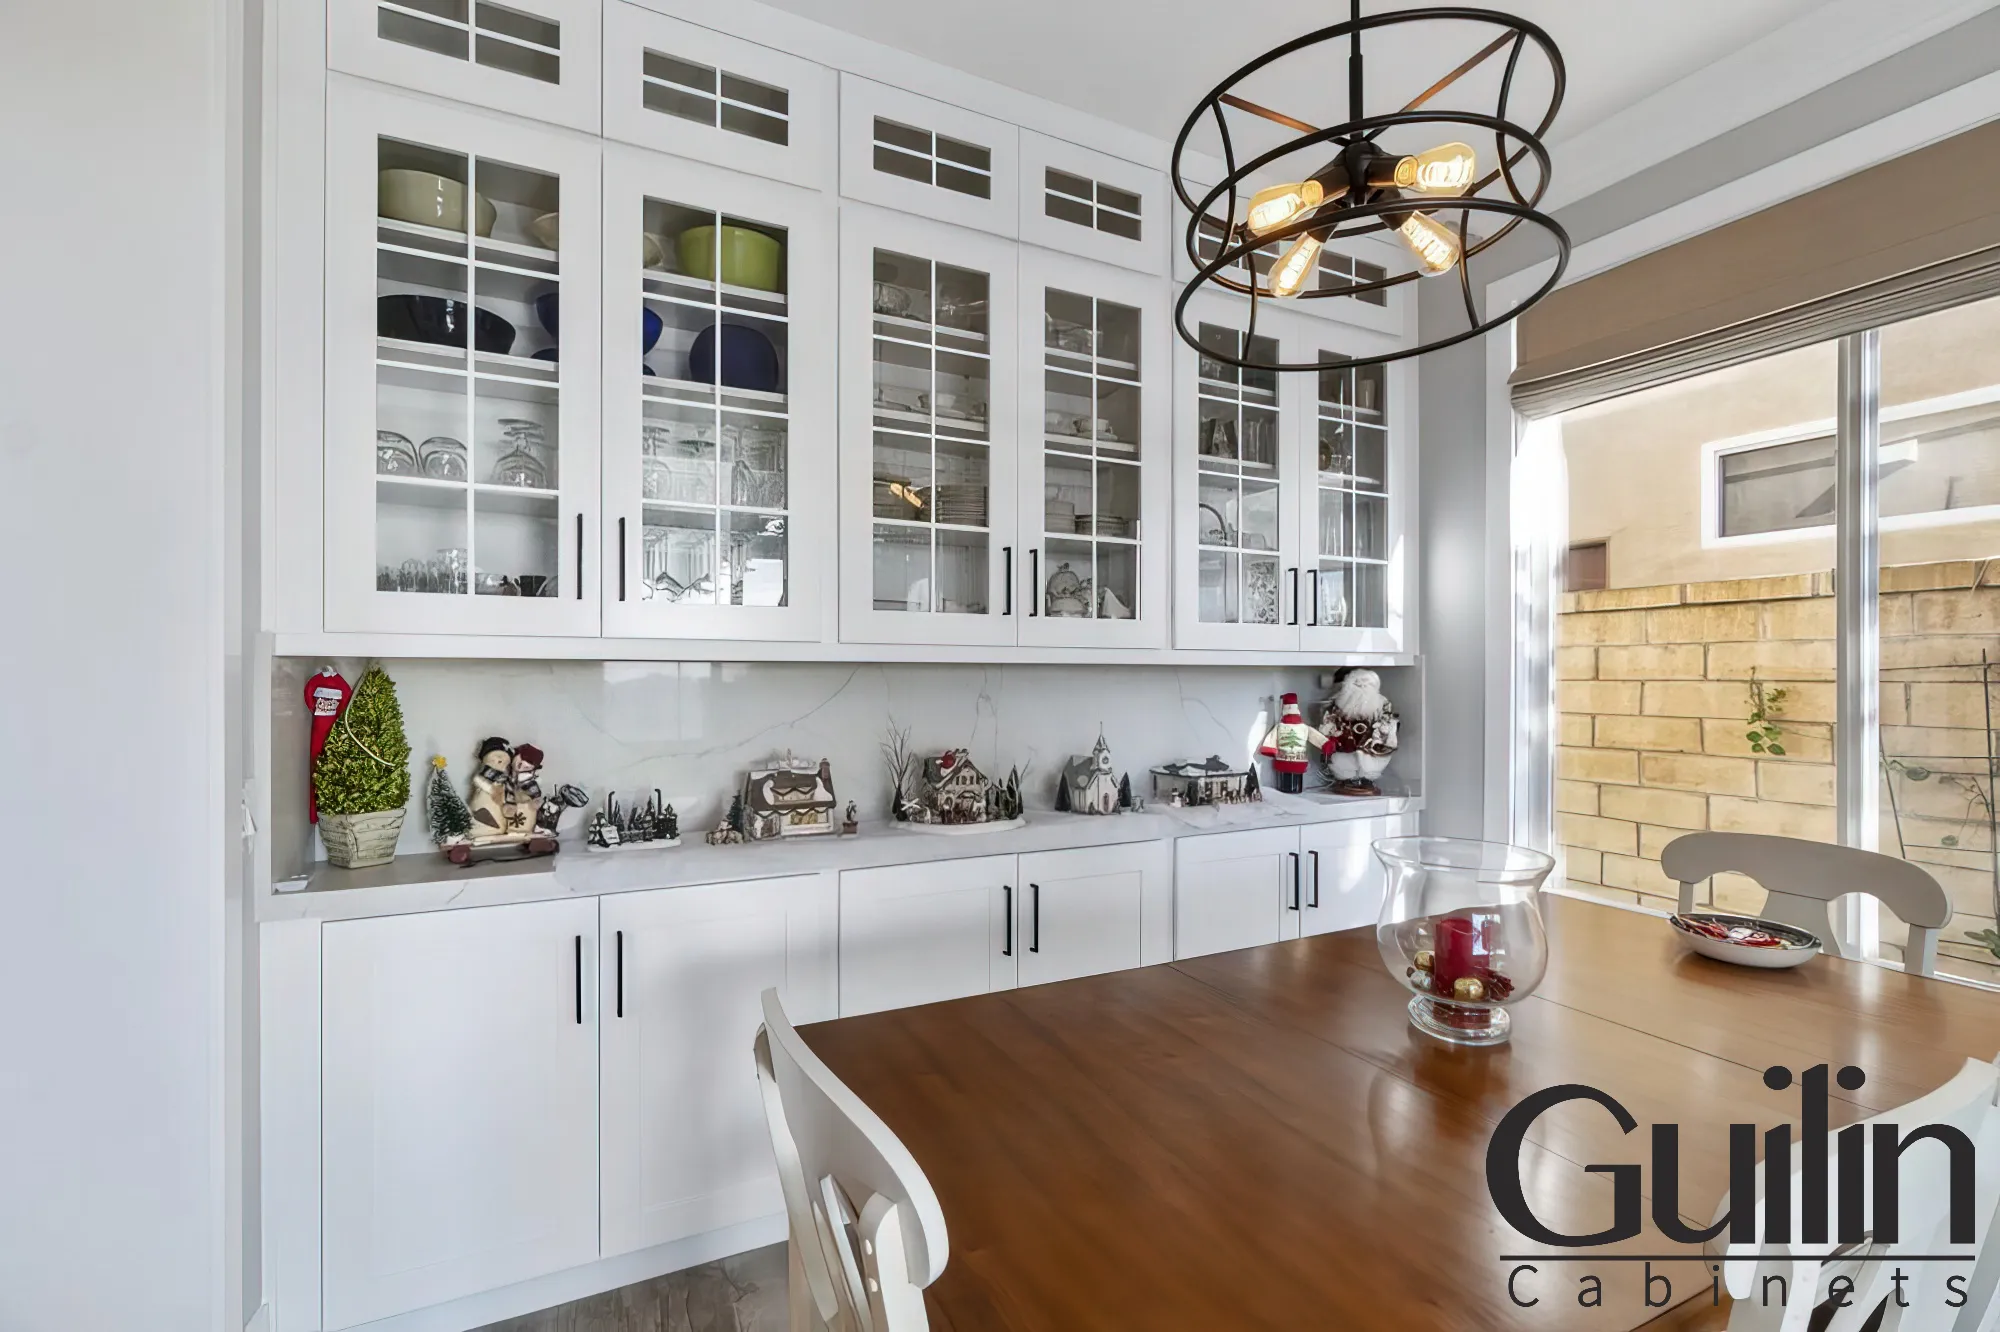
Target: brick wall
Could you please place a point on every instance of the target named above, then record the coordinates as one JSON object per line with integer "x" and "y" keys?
{"x": 1654, "y": 697}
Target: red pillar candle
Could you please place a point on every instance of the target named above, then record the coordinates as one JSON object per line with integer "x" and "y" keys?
{"x": 1464, "y": 944}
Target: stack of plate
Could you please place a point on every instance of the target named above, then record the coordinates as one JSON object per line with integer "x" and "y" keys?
{"x": 1110, "y": 526}
{"x": 961, "y": 504}
{"x": 1060, "y": 516}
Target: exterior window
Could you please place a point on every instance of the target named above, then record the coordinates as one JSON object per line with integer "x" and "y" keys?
{"x": 1586, "y": 566}
{"x": 493, "y": 35}
{"x": 933, "y": 159}
{"x": 1091, "y": 203}
{"x": 715, "y": 97}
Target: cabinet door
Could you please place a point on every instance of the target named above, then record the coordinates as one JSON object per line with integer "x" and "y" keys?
{"x": 918, "y": 156}
{"x": 1236, "y": 890}
{"x": 685, "y": 1145}
{"x": 696, "y": 92}
{"x": 459, "y": 1123}
{"x": 1236, "y": 446}
{"x": 1094, "y": 909}
{"x": 536, "y": 58}
{"x": 918, "y": 934}
{"x": 1085, "y": 203}
{"x": 1355, "y": 496}
{"x": 718, "y": 469}
{"x": 928, "y": 438}
{"x": 1343, "y": 880}
{"x": 1095, "y": 474}
{"x": 461, "y": 453}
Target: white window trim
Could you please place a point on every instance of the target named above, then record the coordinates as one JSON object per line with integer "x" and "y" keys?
{"x": 1710, "y": 479}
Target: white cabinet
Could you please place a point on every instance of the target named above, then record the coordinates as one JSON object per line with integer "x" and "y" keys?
{"x": 1343, "y": 881}
{"x": 718, "y": 402}
{"x": 1095, "y": 457}
{"x": 1094, "y": 909}
{"x": 685, "y": 1147}
{"x": 1087, "y": 203}
{"x": 1236, "y": 890}
{"x": 459, "y": 1121}
{"x": 928, "y": 158}
{"x": 536, "y": 58}
{"x": 461, "y": 429}
{"x": 1357, "y": 498}
{"x": 918, "y": 934}
{"x": 928, "y": 364}
{"x": 700, "y": 93}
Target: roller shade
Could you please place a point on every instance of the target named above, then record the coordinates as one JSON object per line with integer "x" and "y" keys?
{"x": 1917, "y": 233}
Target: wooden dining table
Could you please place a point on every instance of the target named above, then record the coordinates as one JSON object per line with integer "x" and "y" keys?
{"x": 1259, "y": 1139}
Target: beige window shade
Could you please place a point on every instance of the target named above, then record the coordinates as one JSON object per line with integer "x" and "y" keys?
{"x": 1914, "y": 234}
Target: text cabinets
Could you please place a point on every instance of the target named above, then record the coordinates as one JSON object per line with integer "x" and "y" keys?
{"x": 460, "y": 1115}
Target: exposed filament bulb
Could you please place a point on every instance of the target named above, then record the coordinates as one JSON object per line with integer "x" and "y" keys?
{"x": 1294, "y": 267}
{"x": 1434, "y": 244}
{"x": 1445, "y": 169}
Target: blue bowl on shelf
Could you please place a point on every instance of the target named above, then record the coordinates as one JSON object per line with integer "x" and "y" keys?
{"x": 440, "y": 320}
{"x": 653, "y": 330}
{"x": 749, "y": 361}
{"x": 547, "y": 306}
{"x": 548, "y": 354}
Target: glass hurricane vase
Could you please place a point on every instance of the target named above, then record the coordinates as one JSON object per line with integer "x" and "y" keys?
{"x": 1461, "y": 928}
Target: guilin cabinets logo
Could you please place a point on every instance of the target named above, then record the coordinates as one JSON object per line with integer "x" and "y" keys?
{"x": 1845, "y": 1202}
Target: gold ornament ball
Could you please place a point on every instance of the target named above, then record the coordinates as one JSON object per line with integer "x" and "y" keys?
{"x": 1423, "y": 959}
{"x": 1468, "y": 989}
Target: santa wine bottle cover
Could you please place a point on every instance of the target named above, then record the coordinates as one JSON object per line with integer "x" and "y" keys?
{"x": 1291, "y": 744}
{"x": 326, "y": 698}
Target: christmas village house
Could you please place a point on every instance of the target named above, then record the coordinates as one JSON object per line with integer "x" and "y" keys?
{"x": 951, "y": 789}
{"x": 1089, "y": 786}
{"x": 791, "y": 798}
{"x": 1209, "y": 782}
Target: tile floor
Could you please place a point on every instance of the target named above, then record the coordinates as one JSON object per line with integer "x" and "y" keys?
{"x": 745, "y": 1293}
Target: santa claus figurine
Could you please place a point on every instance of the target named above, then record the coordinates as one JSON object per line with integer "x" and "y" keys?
{"x": 1291, "y": 745}
{"x": 1363, "y": 724}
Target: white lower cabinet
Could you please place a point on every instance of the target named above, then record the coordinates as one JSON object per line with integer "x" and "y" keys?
{"x": 920, "y": 934}
{"x": 459, "y": 1120}
{"x": 685, "y": 1148}
{"x": 1241, "y": 889}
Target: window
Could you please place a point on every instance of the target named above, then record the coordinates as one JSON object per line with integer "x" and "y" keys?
{"x": 715, "y": 97}
{"x": 495, "y": 36}
{"x": 1091, "y": 203}
{"x": 1336, "y": 270}
{"x": 1586, "y": 566}
{"x": 933, "y": 159}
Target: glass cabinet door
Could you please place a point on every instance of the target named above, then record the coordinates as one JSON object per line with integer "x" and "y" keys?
{"x": 471, "y": 250}
{"x": 717, "y": 439}
{"x": 1237, "y": 572}
{"x": 1095, "y": 474}
{"x": 927, "y": 434}
{"x": 1353, "y": 496}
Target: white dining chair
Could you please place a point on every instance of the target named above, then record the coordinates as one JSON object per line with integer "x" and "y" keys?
{"x": 1800, "y": 878}
{"x": 1968, "y": 1103}
{"x": 867, "y": 1234}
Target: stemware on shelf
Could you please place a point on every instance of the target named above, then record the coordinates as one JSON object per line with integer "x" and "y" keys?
{"x": 522, "y": 465}
{"x": 395, "y": 455}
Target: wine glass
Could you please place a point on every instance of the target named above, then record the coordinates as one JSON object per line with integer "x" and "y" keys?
{"x": 1461, "y": 928}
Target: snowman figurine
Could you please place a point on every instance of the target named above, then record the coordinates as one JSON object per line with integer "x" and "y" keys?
{"x": 1364, "y": 726}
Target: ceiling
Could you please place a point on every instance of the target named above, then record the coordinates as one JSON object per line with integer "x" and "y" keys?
{"x": 1143, "y": 63}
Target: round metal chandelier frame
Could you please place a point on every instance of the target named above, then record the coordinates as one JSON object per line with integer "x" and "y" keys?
{"x": 1513, "y": 144}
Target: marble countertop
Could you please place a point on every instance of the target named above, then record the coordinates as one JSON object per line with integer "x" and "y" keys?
{"x": 428, "y": 882}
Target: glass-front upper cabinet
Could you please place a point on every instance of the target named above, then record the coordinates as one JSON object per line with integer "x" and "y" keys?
{"x": 1236, "y": 571}
{"x": 462, "y": 326}
{"x": 718, "y": 402}
{"x": 535, "y": 58}
{"x": 928, "y": 353}
{"x": 1355, "y": 560}
{"x": 1094, "y": 471}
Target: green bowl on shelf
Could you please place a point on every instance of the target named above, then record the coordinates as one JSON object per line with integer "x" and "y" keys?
{"x": 430, "y": 200}
{"x": 749, "y": 258}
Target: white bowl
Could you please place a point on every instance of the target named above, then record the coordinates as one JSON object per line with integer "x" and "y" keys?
{"x": 1798, "y": 947}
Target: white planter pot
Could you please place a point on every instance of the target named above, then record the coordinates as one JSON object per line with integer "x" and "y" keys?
{"x": 356, "y": 841}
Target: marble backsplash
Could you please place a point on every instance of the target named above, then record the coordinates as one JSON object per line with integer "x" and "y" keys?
{"x": 691, "y": 728}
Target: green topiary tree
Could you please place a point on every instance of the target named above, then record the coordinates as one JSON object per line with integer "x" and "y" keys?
{"x": 365, "y": 767}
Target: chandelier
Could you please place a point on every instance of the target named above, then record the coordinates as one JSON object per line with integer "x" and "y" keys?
{"x": 1427, "y": 200}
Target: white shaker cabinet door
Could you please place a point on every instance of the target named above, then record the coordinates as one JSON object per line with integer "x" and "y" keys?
{"x": 686, "y": 1149}
{"x": 1094, "y": 909}
{"x": 1236, "y": 890}
{"x": 1343, "y": 880}
{"x": 920, "y": 934}
{"x": 460, "y": 1109}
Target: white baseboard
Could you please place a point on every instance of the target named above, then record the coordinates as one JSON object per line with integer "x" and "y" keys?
{"x": 577, "y": 1282}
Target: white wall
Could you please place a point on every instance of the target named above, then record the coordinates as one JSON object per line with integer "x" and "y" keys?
{"x": 111, "y": 501}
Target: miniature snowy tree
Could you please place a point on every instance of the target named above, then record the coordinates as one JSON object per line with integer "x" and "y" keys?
{"x": 1252, "y": 788}
{"x": 1125, "y": 791}
{"x": 735, "y": 819}
{"x": 1062, "y": 794}
{"x": 449, "y": 818}
{"x": 670, "y": 823}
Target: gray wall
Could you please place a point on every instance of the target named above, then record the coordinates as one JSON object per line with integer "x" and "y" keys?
{"x": 1452, "y": 466}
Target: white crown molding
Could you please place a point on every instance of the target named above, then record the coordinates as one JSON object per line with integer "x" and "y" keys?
{"x": 1814, "y": 50}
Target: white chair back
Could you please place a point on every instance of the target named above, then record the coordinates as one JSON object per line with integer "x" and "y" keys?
{"x": 867, "y": 1234}
{"x": 1925, "y": 1303}
{"x": 1801, "y": 877}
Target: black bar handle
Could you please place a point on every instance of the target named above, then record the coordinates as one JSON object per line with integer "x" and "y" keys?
{"x": 579, "y": 597}
{"x": 1315, "y": 902}
{"x": 1034, "y": 581}
{"x": 1312, "y": 606}
{"x": 1007, "y": 596}
{"x": 579, "y": 980}
{"x": 621, "y": 567}
{"x": 1035, "y": 918}
{"x": 1007, "y": 948}
{"x": 1294, "y": 573}
{"x": 1295, "y": 880}
{"x": 621, "y": 963}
